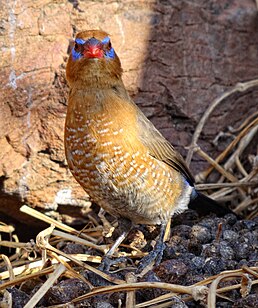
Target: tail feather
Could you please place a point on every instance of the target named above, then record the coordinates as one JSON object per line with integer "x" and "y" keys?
{"x": 204, "y": 205}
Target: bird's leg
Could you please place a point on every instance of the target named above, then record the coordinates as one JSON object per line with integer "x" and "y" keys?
{"x": 107, "y": 227}
{"x": 106, "y": 263}
{"x": 156, "y": 254}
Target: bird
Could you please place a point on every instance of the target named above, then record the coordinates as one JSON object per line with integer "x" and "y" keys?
{"x": 115, "y": 153}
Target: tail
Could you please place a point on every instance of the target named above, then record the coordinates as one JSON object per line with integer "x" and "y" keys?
{"x": 204, "y": 205}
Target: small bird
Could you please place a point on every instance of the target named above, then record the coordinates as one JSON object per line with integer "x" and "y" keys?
{"x": 116, "y": 154}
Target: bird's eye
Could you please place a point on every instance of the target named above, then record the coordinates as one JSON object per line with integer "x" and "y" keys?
{"x": 109, "y": 45}
{"x": 76, "y": 46}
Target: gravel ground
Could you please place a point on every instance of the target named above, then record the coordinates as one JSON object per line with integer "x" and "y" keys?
{"x": 198, "y": 248}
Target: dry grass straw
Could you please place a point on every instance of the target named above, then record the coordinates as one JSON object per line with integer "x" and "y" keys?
{"x": 43, "y": 258}
{"x": 243, "y": 184}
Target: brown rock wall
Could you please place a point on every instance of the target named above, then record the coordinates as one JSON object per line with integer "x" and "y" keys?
{"x": 177, "y": 57}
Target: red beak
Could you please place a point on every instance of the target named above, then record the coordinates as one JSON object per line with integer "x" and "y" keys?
{"x": 93, "y": 51}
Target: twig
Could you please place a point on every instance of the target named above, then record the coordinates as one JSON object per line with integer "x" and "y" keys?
{"x": 243, "y": 143}
{"x": 8, "y": 265}
{"x": 223, "y": 185}
{"x": 245, "y": 123}
{"x": 213, "y": 288}
{"x": 32, "y": 266}
{"x": 74, "y": 238}
{"x": 240, "y": 166}
{"x": 19, "y": 280}
{"x": 246, "y": 203}
{"x": 43, "y": 244}
{"x": 225, "y": 173}
{"x": 6, "y": 228}
{"x": 166, "y": 297}
{"x": 203, "y": 175}
{"x": 34, "y": 213}
{"x": 46, "y": 286}
{"x": 130, "y": 297}
{"x": 198, "y": 292}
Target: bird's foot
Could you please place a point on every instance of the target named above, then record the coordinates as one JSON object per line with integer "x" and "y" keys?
{"x": 107, "y": 263}
{"x": 153, "y": 258}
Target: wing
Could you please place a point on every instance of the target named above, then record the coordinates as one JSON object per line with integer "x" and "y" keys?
{"x": 160, "y": 148}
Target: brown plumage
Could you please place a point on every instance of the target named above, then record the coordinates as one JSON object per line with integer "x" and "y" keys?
{"x": 112, "y": 149}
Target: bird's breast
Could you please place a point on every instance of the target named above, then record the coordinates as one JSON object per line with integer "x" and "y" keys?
{"x": 107, "y": 158}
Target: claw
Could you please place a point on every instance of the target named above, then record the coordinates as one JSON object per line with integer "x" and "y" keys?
{"x": 155, "y": 256}
{"x": 107, "y": 262}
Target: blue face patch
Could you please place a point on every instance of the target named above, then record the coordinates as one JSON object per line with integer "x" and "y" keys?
{"x": 80, "y": 41}
{"x": 105, "y": 40}
{"x": 109, "y": 54}
{"x": 76, "y": 54}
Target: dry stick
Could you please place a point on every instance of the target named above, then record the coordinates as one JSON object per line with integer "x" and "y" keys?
{"x": 250, "y": 271}
{"x": 157, "y": 300}
{"x": 223, "y": 185}
{"x": 7, "y": 300}
{"x": 225, "y": 173}
{"x": 130, "y": 296}
{"x": 220, "y": 169}
{"x": 242, "y": 205}
{"x": 32, "y": 266}
{"x": 228, "y": 288}
{"x": 240, "y": 166}
{"x": 8, "y": 265}
{"x": 206, "y": 281}
{"x": 239, "y": 87}
{"x": 203, "y": 175}
{"x": 6, "y": 228}
{"x": 166, "y": 297}
{"x": 222, "y": 193}
{"x": 225, "y": 191}
{"x": 213, "y": 288}
{"x": 19, "y": 280}
{"x": 245, "y": 123}
{"x": 73, "y": 273}
{"x": 46, "y": 286}
{"x": 11, "y": 258}
{"x": 42, "y": 242}
{"x": 198, "y": 292}
{"x": 34, "y": 213}
{"x": 253, "y": 214}
{"x": 86, "y": 266}
{"x": 246, "y": 203}
{"x": 102, "y": 248}
{"x": 243, "y": 143}
{"x": 16, "y": 245}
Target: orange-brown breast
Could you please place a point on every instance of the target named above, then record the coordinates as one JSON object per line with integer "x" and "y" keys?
{"x": 107, "y": 158}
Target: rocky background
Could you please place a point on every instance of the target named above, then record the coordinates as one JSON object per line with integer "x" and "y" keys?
{"x": 178, "y": 56}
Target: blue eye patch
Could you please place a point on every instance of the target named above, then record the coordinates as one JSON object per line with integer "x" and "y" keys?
{"x": 80, "y": 41}
{"x": 76, "y": 54}
{"x": 105, "y": 40}
{"x": 110, "y": 54}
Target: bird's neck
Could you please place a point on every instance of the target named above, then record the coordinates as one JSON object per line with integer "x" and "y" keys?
{"x": 93, "y": 74}
{"x": 94, "y": 82}
{"x": 98, "y": 98}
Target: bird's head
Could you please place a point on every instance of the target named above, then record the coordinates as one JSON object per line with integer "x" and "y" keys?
{"x": 92, "y": 58}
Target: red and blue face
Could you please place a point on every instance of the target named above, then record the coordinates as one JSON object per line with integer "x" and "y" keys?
{"x": 93, "y": 49}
